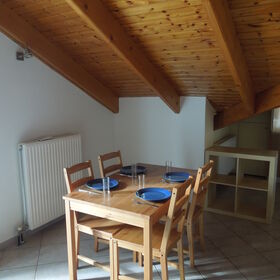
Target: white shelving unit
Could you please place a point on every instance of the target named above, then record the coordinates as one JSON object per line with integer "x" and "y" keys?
{"x": 236, "y": 191}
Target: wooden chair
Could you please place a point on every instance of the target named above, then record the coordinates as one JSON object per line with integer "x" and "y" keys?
{"x": 195, "y": 211}
{"x": 97, "y": 227}
{"x": 164, "y": 237}
{"x": 105, "y": 171}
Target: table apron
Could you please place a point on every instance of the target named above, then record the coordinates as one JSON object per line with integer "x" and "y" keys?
{"x": 111, "y": 214}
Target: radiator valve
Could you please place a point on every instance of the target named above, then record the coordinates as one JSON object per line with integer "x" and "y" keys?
{"x": 21, "y": 229}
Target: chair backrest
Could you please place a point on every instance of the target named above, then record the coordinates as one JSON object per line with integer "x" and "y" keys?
{"x": 177, "y": 211}
{"x": 105, "y": 171}
{"x": 85, "y": 172}
{"x": 200, "y": 188}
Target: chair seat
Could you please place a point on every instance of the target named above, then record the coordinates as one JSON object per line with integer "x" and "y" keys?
{"x": 130, "y": 237}
{"x": 99, "y": 227}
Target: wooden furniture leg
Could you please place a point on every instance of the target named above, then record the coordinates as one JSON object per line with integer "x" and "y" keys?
{"x": 148, "y": 264}
{"x": 201, "y": 232}
{"x": 96, "y": 244}
{"x": 77, "y": 244}
{"x": 116, "y": 260}
{"x": 134, "y": 256}
{"x": 190, "y": 244}
{"x": 71, "y": 244}
{"x": 181, "y": 259}
{"x": 112, "y": 264}
{"x": 164, "y": 267}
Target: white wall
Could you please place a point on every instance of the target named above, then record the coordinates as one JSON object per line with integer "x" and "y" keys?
{"x": 146, "y": 130}
{"x": 35, "y": 101}
{"x": 211, "y": 135}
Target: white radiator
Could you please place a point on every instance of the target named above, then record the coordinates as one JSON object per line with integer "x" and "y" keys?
{"x": 41, "y": 166}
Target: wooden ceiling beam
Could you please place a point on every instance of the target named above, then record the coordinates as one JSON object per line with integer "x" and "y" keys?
{"x": 223, "y": 25}
{"x": 98, "y": 17}
{"x": 265, "y": 101}
{"x": 27, "y": 36}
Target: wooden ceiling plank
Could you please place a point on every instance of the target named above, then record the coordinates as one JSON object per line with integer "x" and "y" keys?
{"x": 98, "y": 17}
{"x": 222, "y": 23}
{"x": 265, "y": 101}
{"x": 23, "y": 33}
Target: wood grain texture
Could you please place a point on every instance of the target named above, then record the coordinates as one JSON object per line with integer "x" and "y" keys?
{"x": 97, "y": 16}
{"x": 178, "y": 38}
{"x": 221, "y": 20}
{"x": 265, "y": 101}
{"x": 27, "y": 36}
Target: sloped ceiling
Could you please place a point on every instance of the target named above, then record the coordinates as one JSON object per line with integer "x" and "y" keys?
{"x": 175, "y": 35}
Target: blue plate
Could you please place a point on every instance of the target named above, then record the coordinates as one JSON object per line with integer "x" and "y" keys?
{"x": 176, "y": 176}
{"x": 126, "y": 170}
{"x": 98, "y": 185}
{"x": 154, "y": 194}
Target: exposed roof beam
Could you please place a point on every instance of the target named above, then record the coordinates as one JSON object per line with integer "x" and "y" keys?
{"x": 223, "y": 25}
{"x": 265, "y": 101}
{"x": 98, "y": 17}
{"x": 23, "y": 33}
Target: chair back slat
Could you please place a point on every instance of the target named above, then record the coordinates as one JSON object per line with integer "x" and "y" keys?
{"x": 176, "y": 211}
{"x": 107, "y": 170}
{"x": 83, "y": 173}
{"x": 200, "y": 188}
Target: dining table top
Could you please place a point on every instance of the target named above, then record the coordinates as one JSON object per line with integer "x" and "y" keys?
{"x": 123, "y": 199}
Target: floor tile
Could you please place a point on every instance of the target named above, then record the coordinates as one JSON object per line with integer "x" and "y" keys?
{"x": 211, "y": 218}
{"x": 244, "y": 227}
{"x": 27, "y": 273}
{"x": 131, "y": 269}
{"x": 54, "y": 236}
{"x": 254, "y": 267}
{"x": 19, "y": 257}
{"x": 58, "y": 271}
{"x": 220, "y": 270}
{"x": 208, "y": 257}
{"x": 217, "y": 230}
{"x": 262, "y": 242}
{"x": 273, "y": 257}
{"x": 233, "y": 246}
{"x": 173, "y": 273}
{"x": 53, "y": 253}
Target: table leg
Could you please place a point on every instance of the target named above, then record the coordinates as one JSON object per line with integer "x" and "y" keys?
{"x": 148, "y": 258}
{"x": 71, "y": 248}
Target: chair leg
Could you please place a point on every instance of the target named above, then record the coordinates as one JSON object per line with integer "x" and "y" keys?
{"x": 201, "y": 232}
{"x": 190, "y": 244}
{"x": 112, "y": 265}
{"x": 116, "y": 260}
{"x": 95, "y": 244}
{"x": 181, "y": 259}
{"x": 134, "y": 256}
{"x": 164, "y": 267}
{"x": 77, "y": 244}
{"x": 140, "y": 259}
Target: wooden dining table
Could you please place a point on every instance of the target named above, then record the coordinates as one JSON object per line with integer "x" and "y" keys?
{"x": 122, "y": 206}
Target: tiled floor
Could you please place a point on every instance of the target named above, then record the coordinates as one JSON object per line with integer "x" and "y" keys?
{"x": 236, "y": 249}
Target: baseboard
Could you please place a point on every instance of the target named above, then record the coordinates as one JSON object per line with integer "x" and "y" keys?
{"x": 13, "y": 240}
{"x": 8, "y": 243}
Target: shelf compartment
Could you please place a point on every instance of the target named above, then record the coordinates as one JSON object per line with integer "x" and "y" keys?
{"x": 253, "y": 183}
{"x": 227, "y": 180}
{"x": 221, "y": 197}
{"x": 251, "y": 203}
